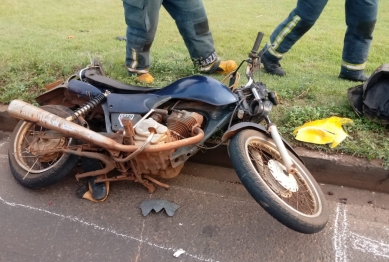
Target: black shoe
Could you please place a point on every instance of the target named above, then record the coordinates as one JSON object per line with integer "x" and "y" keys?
{"x": 357, "y": 78}
{"x": 99, "y": 190}
{"x": 273, "y": 68}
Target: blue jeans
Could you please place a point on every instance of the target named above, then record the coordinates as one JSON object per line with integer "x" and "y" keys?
{"x": 191, "y": 19}
{"x": 361, "y": 16}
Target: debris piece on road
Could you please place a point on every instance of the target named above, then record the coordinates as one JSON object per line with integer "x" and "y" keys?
{"x": 343, "y": 200}
{"x": 158, "y": 205}
{"x": 179, "y": 252}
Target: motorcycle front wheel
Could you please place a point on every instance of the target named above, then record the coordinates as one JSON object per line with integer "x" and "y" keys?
{"x": 295, "y": 200}
{"x": 29, "y": 166}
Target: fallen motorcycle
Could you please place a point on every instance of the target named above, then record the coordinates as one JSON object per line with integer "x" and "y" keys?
{"x": 147, "y": 134}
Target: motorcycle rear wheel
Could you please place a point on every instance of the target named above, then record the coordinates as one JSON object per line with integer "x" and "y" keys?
{"x": 297, "y": 202}
{"x": 28, "y": 166}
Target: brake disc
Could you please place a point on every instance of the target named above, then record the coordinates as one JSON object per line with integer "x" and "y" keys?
{"x": 278, "y": 171}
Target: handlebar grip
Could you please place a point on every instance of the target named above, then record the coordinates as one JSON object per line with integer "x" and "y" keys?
{"x": 257, "y": 42}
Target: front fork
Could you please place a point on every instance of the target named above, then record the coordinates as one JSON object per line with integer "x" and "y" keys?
{"x": 271, "y": 128}
{"x": 286, "y": 159}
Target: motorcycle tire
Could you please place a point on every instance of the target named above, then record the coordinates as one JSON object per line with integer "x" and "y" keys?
{"x": 31, "y": 169}
{"x": 256, "y": 160}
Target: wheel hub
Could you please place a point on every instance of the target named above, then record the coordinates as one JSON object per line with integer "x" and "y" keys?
{"x": 278, "y": 171}
{"x": 46, "y": 144}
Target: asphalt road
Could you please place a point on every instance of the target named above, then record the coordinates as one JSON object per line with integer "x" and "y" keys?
{"x": 216, "y": 221}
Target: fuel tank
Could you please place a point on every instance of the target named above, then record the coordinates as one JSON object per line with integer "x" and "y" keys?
{"x": 200, "y": 88}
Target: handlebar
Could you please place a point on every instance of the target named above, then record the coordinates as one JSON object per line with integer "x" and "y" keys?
{"x": 252, "y": 62}
{"x": 258, "y": 41}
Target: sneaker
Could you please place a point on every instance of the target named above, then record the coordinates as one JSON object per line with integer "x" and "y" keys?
{"x": 145, "y": 78}
{"x": 224, "y": 67}
{"x": 98, "y": 190}
{"x": 273, "y": 68}
{"x": 356, "y": 78}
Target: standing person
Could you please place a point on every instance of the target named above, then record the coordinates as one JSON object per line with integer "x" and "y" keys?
{"x": 361, "y": 16}
{"x": 191, "y": 19}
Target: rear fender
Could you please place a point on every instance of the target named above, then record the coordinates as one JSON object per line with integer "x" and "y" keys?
{"x": 232, "y": 131}
{"x": 55, "y": 96}
{"x": 60, "y": 95}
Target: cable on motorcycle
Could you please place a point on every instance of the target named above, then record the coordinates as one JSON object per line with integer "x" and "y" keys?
{"x": 233, "y": 77}
{"x": 206, "y": 148}
{"x": 233, "y": 112}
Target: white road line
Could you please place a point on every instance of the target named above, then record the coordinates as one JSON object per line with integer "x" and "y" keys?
{"x": 342, "y": 235}
{"x": 368, "y": 245}
{"x": 230, "y": 198}
{"x": 108, "y": 230}
{"x": 340, "y": 231}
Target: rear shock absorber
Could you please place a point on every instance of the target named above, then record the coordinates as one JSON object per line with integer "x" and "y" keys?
{"x": 89, "y": 106}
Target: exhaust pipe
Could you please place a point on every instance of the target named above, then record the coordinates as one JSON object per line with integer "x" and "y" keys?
{"x": 24, "y": 111}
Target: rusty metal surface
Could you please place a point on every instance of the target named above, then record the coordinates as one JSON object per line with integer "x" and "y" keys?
{"x": 55, "y": 96}
{"x": 23, "y": 110}
{"x": 142, "y": 163}
{"x": 181, "y": 122}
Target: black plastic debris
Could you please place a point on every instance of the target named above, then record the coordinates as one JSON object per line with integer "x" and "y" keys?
{"x": 158, "y": 205}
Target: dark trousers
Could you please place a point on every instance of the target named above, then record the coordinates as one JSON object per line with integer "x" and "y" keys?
{"x": 142, "y": 20}
{"x": 361, "y": 17}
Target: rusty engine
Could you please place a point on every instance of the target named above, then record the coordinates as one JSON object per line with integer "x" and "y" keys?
{"x": 178, "y": 125}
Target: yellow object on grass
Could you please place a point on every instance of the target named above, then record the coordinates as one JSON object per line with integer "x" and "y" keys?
{"x": 323, "y": 131}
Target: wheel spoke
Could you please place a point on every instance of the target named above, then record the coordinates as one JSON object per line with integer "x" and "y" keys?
{"x": 30, "y": 150}
{"x": 31, "y": 168}
{"x": 302, "y": 200}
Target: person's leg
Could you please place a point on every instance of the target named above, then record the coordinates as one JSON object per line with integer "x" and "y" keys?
{"x": 142, "y": 21}
{"x": 192, "y": 22}
{"x": 361, "y": 16}
{"x": 286, "y": 34}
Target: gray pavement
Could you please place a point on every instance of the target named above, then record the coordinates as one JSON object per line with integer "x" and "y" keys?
{"x": 216, "y": 221}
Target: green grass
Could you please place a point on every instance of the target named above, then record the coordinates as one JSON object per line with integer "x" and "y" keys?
{"x": 35, "y": 50}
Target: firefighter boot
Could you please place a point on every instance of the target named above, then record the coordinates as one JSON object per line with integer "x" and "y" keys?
{"x": 353, "y": 75}
{"x": 272, "y": 67}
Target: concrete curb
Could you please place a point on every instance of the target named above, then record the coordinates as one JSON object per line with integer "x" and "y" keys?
{"x": 342, "y": 170}
{"x": 7, "y": 123}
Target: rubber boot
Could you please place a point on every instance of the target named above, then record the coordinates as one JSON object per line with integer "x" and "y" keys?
{"x": 272, "y": 67}
{"x": 353, "y": 75}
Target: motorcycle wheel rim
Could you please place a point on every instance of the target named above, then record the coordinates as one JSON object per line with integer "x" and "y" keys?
{"x": 308, "y": 204}
{"x": 27, "y": 160}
